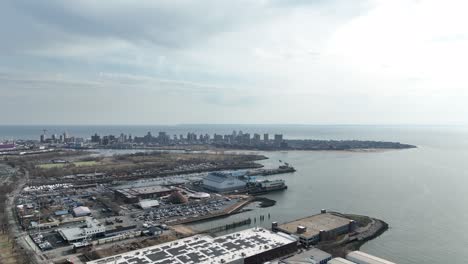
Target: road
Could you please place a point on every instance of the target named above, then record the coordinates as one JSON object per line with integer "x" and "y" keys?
{"x": 22, "y": 238}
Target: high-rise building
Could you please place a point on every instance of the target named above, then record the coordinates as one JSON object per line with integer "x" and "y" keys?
{"x": 191, "y": 137}
{"x": 163, "y": 138}
{"x": 245, "y": 139}
{"x": 256, "y": 138}
{"x": 96, "y": 138}
{"x": 266, "y": 137}
{"x": 217, "y": 138}
{"x": 278, "y": 139}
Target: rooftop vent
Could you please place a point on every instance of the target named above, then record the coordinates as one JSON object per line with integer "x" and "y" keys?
{"x": 301, "y": 229}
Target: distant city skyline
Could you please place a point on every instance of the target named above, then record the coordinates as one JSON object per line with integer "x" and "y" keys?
{"x": 244, "y": 62}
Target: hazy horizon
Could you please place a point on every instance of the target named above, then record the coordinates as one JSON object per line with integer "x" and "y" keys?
{"x": 242, "y": 124}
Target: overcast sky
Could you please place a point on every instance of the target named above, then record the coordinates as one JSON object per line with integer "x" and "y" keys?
{"x": 243, "y": 61}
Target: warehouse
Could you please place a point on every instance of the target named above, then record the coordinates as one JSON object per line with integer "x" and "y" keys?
{"x": 147, "y": 204}
{"x": 360, "y": 257}
{"x": 223, "y": 182}
{"x": 340, "y": 261}
{"x": 199, "y": 195}
{"x": 133, "y": 195}
{"x": 313, "y": 256}
{"x": 256, "y": 245}
{"x": 313, "y": 229}
{"x": 91, "y": 228}
{"x": 81, "y": 211}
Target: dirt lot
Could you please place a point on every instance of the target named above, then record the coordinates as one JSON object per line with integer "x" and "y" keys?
{"x": 7, "y": 253}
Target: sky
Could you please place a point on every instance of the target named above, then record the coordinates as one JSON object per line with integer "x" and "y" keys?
{"x": 234, "y": 62}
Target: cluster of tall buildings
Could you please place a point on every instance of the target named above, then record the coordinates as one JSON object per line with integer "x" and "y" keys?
{"x": 162, "y": 138}
{"x": 111, "y": 139}
{"x": 240, "y": 138}
{"x": 63, "y": 138}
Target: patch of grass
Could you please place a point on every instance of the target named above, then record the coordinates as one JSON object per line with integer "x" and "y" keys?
{"x": 47, "y": 166}
{"x": 51, "y": 165}
{"x": 86, "y": 163}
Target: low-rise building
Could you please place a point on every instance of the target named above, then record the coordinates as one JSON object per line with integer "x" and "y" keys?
{"x": 360, "y": 257}
{"x": 91, "y": 228}
{"x": 81, "y": 211}
{"x": 313, "y": 229}
{"x": 133, "y": 195}
{"x": 340, "y": 261}
{"x": 147, "y": 204}
{"x": 312, "y": 256}
{"x": 256, "y": 245}
{"x": 223, "y": 182}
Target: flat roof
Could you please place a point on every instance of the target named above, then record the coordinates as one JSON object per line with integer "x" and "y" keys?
{"x": 134, "y": 192}
{"x": 148, "y": 203}
{"x": 314, "y": 224}
{"x": 73, "y": 233}
{"x": 340, "y": 261}
{"x": 313, "y": 254}
{"x": 150, "y": 189}
{"x": 204, "y": 249}
{"x": 367, "y": 258}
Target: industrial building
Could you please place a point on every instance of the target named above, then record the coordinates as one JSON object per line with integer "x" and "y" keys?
{"x": 312, "y": 256}
{"x": 360, "y": 257}
{"x": 256, "y": 245}
{"x": 313, "y": 229}
{"x": 133, "y": 195}
{"x": 223, "y": 182}
{"x": 147, "y": 204}
{"x": 91, "y": 228}
{"x": 81, "y": 211}
{"x": 199, "y": 195}
{"x": 340, "y": 261}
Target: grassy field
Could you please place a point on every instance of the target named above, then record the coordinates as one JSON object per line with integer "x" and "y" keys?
{"x": 61, "y": 165}
{"x": 149, "y": 162}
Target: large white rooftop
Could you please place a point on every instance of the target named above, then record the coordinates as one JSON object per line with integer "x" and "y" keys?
{"x": 91, "y": 227}
{"x": 313, "y": 255}
{"x": 203, "y": 249}
{"x": 145, "y": 204}
{"x": 340, "y": 261}
{"x": 364, "y": 258}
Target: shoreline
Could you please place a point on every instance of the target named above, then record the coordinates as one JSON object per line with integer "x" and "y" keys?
{"x": 209, "y": 149}
{"x": 357, "y": 245}
{"x": 372, "y": 230}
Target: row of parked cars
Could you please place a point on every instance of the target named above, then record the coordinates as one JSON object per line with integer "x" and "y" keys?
{"x": 184, "y": 210}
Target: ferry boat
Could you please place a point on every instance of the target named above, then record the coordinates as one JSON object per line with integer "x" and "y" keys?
{"x": 266, "y": 186}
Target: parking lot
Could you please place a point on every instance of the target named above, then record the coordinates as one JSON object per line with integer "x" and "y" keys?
{"x": 173, "y": 213}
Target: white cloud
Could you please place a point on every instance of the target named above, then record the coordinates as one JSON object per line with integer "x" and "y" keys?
{"x": 398, "y": 43}
{"x": 334, "y": 61}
